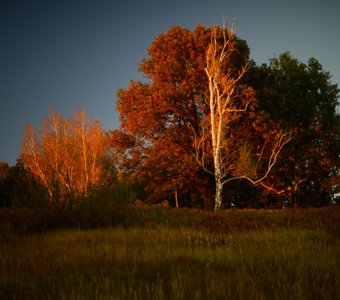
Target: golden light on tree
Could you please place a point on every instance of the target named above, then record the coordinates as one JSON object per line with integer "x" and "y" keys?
{"x": 207, "y": 116}
{"x": 228, "y": 98}
{"x": 66, "y": 154}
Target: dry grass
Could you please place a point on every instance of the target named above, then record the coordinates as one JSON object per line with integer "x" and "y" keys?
{"x": 275, "y": 259}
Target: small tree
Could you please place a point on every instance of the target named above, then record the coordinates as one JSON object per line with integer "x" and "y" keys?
{"x": 65, "y": 154}
{"x": 228, "y": 97}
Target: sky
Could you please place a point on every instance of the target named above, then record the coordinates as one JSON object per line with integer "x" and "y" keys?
{"x": 72, "y": 54}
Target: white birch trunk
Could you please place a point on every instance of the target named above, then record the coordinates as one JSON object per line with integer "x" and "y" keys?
{"x": 224, "y": 94}
{"x": 218, "y": 195}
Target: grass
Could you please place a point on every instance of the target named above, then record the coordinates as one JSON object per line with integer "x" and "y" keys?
{"x": 230, "y": 255}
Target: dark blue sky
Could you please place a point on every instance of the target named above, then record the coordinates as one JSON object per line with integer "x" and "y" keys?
{"x": 73, "y": 54}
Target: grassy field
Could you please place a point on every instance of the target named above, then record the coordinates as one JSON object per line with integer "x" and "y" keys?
{"x": 281, "y": 256}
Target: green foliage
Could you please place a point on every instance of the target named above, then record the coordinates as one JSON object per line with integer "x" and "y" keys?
{"x": 301, "y": 97}
{"x": 297, "y": 94}
{"x": 20, "y": 189}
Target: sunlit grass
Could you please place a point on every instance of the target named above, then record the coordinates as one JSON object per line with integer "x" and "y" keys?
{"x": 170, "y": 263}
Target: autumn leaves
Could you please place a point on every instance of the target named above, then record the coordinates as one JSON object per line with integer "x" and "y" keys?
{"x": 203, "y": 117}
{"x": 66, "y": 155}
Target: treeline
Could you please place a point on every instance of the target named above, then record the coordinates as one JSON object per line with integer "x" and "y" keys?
{"x": 207, "y": 128}
{"x": 201, "y": 83}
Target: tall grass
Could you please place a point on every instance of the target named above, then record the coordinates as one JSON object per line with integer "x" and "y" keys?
{"x": 104, "y": 212}
{"x": 167, "y": 262}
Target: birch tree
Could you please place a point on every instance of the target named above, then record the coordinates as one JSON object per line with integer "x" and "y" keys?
{"x": 166, "y": 121}
{"x": 65, "y": 154}
{"x": 228, "y": 97}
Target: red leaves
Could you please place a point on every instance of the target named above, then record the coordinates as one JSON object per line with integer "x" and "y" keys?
{"x": 163, "y": 116}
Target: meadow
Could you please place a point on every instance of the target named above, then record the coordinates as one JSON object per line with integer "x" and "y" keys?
{"x": 178, "y": 254}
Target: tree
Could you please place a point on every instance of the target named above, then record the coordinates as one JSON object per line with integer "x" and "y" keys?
{"x": 227, "y": 97}
{"x": 66, "y": 154}
{"x": 162, "y": 118}
{"x": 4, "y": 185}
{"x": 301, "y": 98}
{"x": 159, "y": 116}
{"x": 19, "y": 188}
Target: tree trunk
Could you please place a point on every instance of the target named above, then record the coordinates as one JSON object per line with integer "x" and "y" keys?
{"x": 176, "y": 198}
{"x": 218, "y": 195}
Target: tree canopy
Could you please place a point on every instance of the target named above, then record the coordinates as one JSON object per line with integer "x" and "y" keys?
{"x": 161, "y": 116}
{"x": 206, "y": 127}
{"x": 162, "y": 119}
{"x": 302, "y": 98}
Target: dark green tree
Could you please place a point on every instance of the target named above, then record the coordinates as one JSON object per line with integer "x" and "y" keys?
{"x": 302, "y": 98}
{"x": 19, "y": 188}
{"x": 5, "y": 199}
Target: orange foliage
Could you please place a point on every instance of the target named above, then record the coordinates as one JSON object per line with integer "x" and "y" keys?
{"x": 163, "y": 118}
{"x": 160, "y": 117}
{"x": 65, "y": 154}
